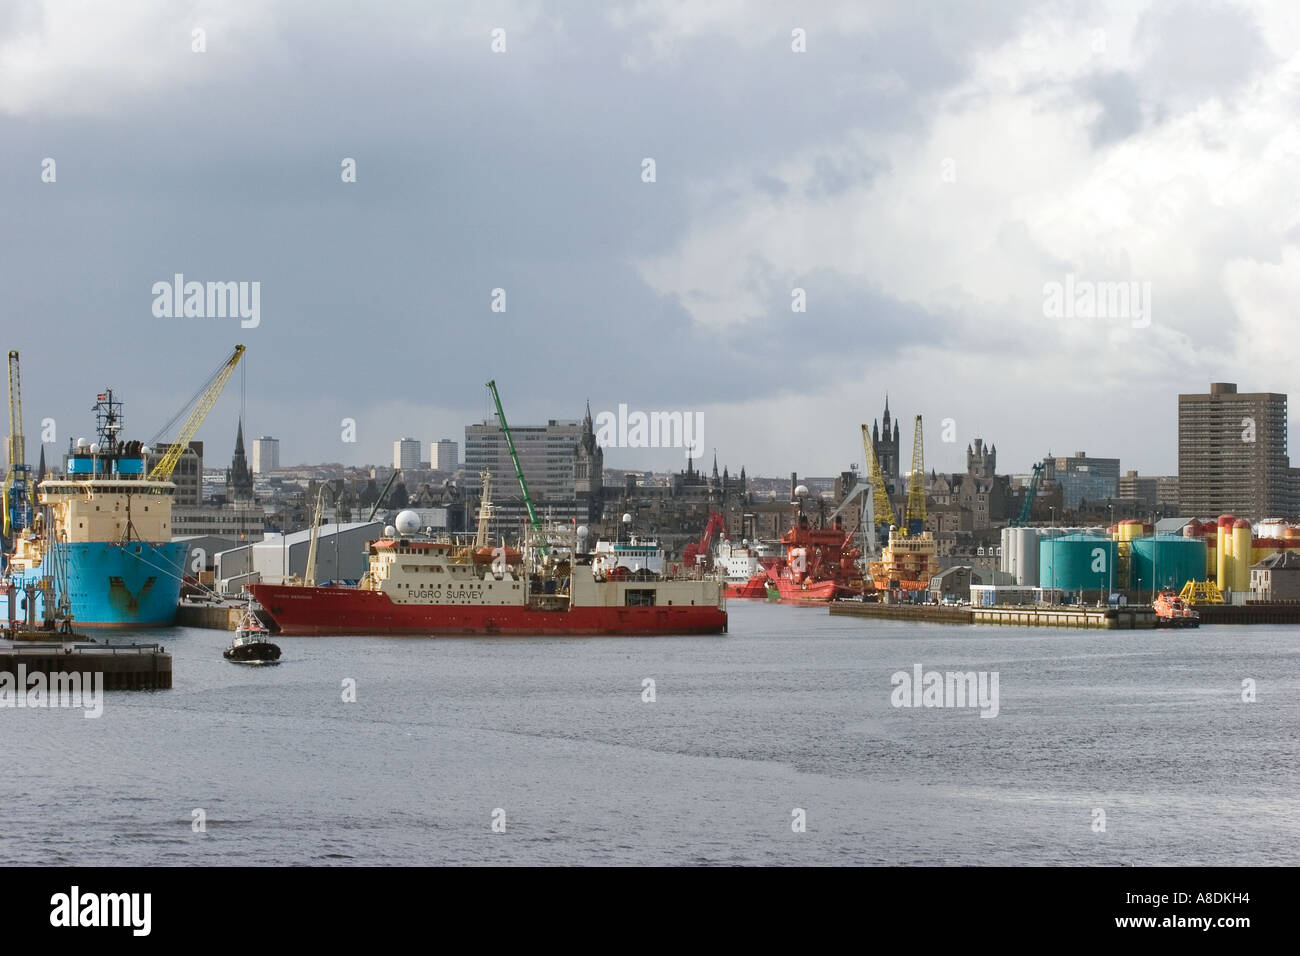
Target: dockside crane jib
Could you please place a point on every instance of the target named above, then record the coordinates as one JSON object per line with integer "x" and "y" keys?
{"x": 534, "y": 522}
{"x": 884, "y": 508}
{"x": 201, "y": 403}
{"x": 17, "y": 494}
{"x": 914, "y": 523}
{"x": 1027, "y": 509}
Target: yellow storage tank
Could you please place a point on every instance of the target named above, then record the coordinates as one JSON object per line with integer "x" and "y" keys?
{"x": 1241, "y": 555}
{"x": 1224, "y": 541}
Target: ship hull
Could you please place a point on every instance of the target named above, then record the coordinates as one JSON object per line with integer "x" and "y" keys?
{"x": 132, "y": 585}
{"x": 755, "y": 587}
{"x": 819, "y": 592}
{"x": 326, "y": 611}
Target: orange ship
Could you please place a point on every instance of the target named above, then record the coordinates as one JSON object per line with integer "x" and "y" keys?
{"x": 1172, "y": 611}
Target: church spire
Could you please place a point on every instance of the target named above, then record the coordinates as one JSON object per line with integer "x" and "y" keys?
{"x": 239, "y": 478}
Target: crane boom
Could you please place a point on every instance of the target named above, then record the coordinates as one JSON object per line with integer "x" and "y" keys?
{"x": 383, "y": 494}
{"x": 205, "y": 399}
{"x": 484, "y": 511}
{"x": 884, "y": 508}
{"x": 915, "y": 523}
{"x": 1027, "y": 509}
{"x": 310, "y": 571}
{"x": 17, "y": 505}
{"x": 533, "y": 520}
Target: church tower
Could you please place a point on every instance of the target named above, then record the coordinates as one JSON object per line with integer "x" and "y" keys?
{"x": 885, "y": 444}
{"x": 589, "y": 469}
{"x": 982, "y": 460}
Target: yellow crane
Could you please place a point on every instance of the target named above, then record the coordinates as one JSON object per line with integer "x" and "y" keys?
{"x": 884, "y": 508}
{"x": 915, "y": 518}
{"x": 17, "y": 493}
{"x": 202, "y": 403}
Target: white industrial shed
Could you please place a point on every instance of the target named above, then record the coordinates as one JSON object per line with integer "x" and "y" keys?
{"x": 341, "y": 555}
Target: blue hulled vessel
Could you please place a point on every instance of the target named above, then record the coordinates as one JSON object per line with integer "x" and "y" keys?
{"x": 100, "y": 544}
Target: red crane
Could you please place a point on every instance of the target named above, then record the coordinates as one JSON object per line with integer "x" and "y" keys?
{"x": 701, "y": 552}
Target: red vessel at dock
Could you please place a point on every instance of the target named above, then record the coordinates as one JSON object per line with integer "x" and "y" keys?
{"x": 435, "y": 588}
{"x": 820, "y": 565}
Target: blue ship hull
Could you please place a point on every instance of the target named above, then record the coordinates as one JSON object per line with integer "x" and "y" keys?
{"x": 136, "y": 584}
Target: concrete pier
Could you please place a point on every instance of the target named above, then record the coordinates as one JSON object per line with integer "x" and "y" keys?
{"x": 221, "y": 617}
{"x": 1104, "y": 618}
{"x": 1124, "y": 618}
{"x": 1250, "y": 613}
{"x": 904, "y": 612}
{"x": 124, "y": 666}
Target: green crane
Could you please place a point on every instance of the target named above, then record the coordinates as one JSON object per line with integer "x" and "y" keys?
{"x": 1027, "y": 509}
{"x": 533, "y": 520}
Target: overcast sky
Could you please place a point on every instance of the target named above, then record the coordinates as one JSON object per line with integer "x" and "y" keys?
{"x": 921, "y": 172}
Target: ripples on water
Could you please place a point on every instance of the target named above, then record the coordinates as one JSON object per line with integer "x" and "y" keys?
{"x": 790, "y": 710}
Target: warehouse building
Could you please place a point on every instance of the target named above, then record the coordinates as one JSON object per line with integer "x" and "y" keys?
{"x": 341, "y": 555}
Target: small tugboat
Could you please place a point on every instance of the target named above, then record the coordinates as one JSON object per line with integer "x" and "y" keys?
{"x": 252, "y": 643}
{"x": 1171, "y": 611}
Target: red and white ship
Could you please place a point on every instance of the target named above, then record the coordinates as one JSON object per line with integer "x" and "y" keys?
{"x": 819, "y": 564}
{"x": 741, "y": 568}
{"x": 433, "y": 588}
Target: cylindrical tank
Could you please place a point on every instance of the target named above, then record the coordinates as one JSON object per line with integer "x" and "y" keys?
{"x": 1241, "y": 555}
{"x": 1167, "y": 561}
{"x": 1223, "y": 551}
{"x": 1006, "y": 559}
{"x": 1077, "y": 562}
{"x": 1271, "y": 528}
{"x": 1130, "y": 529}
{"x": 1029, "y": 558}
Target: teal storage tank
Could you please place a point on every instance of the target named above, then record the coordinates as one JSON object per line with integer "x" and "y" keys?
{"x": 1170, "y": 561}
{"x": 1078, "y": 562}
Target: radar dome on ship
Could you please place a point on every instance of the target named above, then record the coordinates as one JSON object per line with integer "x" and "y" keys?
{"x": 627, "y": 517}
{"x": 389, "y": 531}
{"x": 801, "y": 491}
{"x": 407, "y": 522}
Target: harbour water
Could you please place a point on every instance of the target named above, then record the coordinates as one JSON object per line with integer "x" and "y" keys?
{"x": 791, "y": 710}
